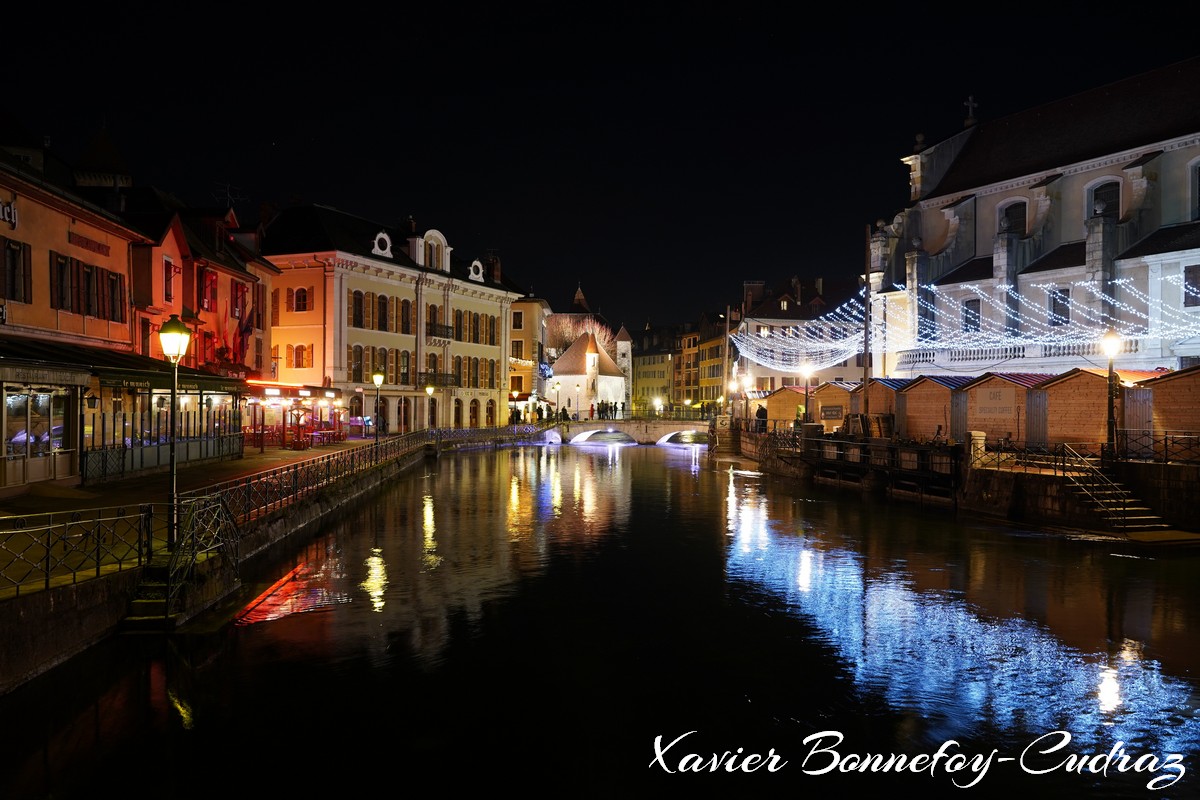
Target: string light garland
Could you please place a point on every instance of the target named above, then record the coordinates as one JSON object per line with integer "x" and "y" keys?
{"x": 1053, "y": 319}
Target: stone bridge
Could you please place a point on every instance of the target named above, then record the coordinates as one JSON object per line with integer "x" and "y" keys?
{"x": 655, "y": 431}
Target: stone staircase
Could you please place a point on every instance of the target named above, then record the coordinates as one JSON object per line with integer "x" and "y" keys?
{"x": 148, "y": 609}
{"x": 1114, "y": 505}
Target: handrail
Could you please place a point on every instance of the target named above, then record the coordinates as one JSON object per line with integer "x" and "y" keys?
{"x": 1085, "y": 467}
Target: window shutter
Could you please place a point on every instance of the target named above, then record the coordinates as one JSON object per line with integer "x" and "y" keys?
{"x": 349, "y": 362}
{"x": 291, "y": 299}
{"x": 102, "y": 293}
{"x": 274, "y": 307}
{"x": 349, "y": 308}
{"x": 392, "y": 314}
{"x": 55, "y": 301}
{"x": 291, "y": 357}
{"x": 308, "y": 355}
{"x": 369, "y": 311}
{"x": 27, "y": 272}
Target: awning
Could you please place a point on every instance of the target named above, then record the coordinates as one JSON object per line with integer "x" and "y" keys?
{"x": 302, "y": 391}
{"x": 28, "y": 360}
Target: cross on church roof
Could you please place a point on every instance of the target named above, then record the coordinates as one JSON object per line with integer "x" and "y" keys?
{"x": 971, "y": 106}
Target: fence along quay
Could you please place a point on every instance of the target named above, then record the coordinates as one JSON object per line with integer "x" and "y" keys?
{"x": 112, "y": 568}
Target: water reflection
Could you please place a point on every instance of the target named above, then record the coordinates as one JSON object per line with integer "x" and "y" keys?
{"x": 951, "y": 652}
{"x": 557, "y": 607}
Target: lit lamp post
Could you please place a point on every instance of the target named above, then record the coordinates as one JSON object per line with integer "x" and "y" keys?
{"x": 512, "y": 413}
{"x": 429, "y": 394}
{"x": 807, "y": 372}
{"x": 578, "y": 413}
{"x": 557, "y": 400}
{"x": 1112, "y": 343}
{"x": 733, "y": 387}
{"x": 377, "y": 379}
{"x": 174, "y": 337}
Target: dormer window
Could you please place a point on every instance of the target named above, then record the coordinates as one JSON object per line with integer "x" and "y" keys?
{"x": 783, "y": 305}
{"x": 1012, "y": 218}
{"x": 1106, "y": 200}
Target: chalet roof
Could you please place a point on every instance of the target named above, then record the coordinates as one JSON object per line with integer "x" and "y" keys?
{"x": 895, "y": 384}
{"x": 1026, "y": 379}
{"x": 847, "y": 386}
{"x": 623, "y": 335}
{"x": 1189, "y": 372}
{"x": 949, "y": 381}
{"x": 573, "y": 361}
{"x": 1128, "y": 377}
{"x": 1154, "y": 106}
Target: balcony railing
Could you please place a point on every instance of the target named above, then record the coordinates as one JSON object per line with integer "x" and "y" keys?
{"x": 438, "y": 379}
{"x": 440, "y": 331}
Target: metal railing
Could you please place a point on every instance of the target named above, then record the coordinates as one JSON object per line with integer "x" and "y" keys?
{"x": 41, "y": 550}
{"x": 1110, "y": 500}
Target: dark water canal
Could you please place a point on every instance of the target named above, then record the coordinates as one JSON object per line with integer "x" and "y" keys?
{"x": 598, "y": 620}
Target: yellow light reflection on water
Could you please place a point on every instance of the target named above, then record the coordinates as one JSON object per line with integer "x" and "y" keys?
{"x": 430, "y": 557}
{"x": 376, "y": 581}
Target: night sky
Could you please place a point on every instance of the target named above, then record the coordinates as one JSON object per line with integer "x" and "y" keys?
{"x": 655, "y": 158}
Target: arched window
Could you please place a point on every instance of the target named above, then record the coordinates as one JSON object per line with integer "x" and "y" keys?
{"x": 299, "y": 360}
{"x": 475, "y": 329}
{"x": 1013, "y": 218}
{"x": 356, "y": 369}
{"x": 458, "y": 373}
{"x": 1105, "y": 200}
{"x": 380, "y": 364}
{"x": 432, "y": 316}
{"x": 406, "y": 316}
{"x": 381, "y": 312}
{"x": 300, "y": 300}
{"x": 356, "y": 310}
{"x": 458, "y": 325}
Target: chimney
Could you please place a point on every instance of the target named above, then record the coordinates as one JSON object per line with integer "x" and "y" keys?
{"x": 494, "y": 261}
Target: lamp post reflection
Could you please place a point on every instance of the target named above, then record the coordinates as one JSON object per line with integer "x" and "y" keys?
{"x": 1111, "y": 343}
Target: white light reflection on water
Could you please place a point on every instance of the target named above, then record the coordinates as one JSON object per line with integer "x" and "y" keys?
{"x": 934, "y": 655}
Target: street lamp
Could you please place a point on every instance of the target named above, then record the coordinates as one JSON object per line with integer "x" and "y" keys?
{"x": 1111, "y": 344}
{"x": 429, "y": 394}
{"x": 174, "y": 337}
{"x": 512, "y": 415}
{"x": 377, "y": 379}
{"x": 577, "y": 410}
{"x": 557, "y": 400}
{"x": 807, "y": 372}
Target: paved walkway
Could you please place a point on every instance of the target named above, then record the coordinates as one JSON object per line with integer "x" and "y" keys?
{"x": 154, "y": 487}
